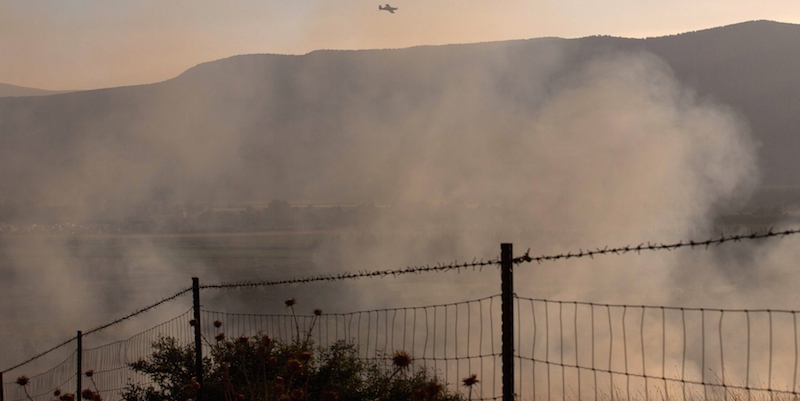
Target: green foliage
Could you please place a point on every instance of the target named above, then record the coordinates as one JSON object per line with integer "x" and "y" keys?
{"x": 261, "y": 369}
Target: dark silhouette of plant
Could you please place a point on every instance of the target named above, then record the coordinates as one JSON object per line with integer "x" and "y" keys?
{"x": 259, "y": 368}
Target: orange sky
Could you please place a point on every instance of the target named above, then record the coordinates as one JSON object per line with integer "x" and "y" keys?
{"x": 84, "y": 44}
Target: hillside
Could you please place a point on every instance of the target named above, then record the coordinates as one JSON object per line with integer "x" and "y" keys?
{"x": 8, "y": 90}
{"x": 358, "y": 126}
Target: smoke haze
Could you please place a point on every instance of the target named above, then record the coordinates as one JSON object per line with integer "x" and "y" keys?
{"x": 461, "y": 153}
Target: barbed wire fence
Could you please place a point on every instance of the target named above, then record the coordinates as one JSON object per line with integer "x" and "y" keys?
{"x": 561, "y": 349}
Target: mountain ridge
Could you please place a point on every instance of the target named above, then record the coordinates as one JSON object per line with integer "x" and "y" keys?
{"x": 296, "y": 126}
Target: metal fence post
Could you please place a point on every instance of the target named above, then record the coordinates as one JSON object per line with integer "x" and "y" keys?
{"x": 198, "y": 345}
{"x": 79, "y": 355}
{"x": 507, "y": 317}
{"x": 1, "y": 386}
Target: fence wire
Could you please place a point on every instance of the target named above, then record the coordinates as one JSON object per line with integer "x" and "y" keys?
{"x": 656, "y": 246}
{"x": 452, "y": 340}
{"x": 108, "y": 365}
{"x": 582, "y": 350}
{"x": 713, "y": 366}
{"x": 41, "y": 387}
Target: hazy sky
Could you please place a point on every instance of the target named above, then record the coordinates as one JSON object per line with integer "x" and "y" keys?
{"x": 82, "y": 44}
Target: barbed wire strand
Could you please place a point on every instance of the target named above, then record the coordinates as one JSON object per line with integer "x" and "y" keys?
{"x": 138, "y": 311}
{"x": 37, "y": 356}
{"x": 526, "y": 258}
{"x": 101, "y": 327}
{"x": 440, "y": 267}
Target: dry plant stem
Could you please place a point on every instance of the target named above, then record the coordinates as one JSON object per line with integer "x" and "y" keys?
{"x": 247, "y": 379}
{"x": 28, "y": 396}
{"x": 296, "y": 324}
{"x": 310, "y": 329}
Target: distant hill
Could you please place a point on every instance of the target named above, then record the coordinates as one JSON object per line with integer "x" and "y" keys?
{"x": 316, "y": 126}
{"x": 8, "y": 90}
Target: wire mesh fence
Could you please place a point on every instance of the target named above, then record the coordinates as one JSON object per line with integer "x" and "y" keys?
{"x": 452, "y": 340}
{"x": 43, "y": 385}
{"x": 104, "y": 368}
{"x": 109, "y": 363}
{"x": 562, "y": 349}
{"x": 577, "y": 350}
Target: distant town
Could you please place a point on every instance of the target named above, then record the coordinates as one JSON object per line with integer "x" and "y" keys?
{"x": 768, "y": 207}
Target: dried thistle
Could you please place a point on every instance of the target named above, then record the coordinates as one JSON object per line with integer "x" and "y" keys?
{"x": 217, "y": 324}
{"x": 290, "y": 302}
{"x": 318, "y": 311}
{"x": 401, "y": 360}
{"x": 471, "y": 380}
{"x": 67, "y": 397}
{"x": 294, "y": 365}
{"x": 23, "y": 380}
{"x": 220, "y": 337}
{"x": 193, "y": 322}
{"x": 88, "y": 394}
{"x": 89, "y": 373}
{"x": 433, "y": 389}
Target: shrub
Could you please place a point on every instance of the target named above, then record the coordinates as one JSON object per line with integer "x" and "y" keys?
{"x": 259, "y": 368}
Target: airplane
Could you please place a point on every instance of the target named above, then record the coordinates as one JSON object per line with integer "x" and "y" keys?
{"x": 387, "y": 8}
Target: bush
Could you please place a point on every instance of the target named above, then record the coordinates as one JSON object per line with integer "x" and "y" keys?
{"x": 259, "y": 368}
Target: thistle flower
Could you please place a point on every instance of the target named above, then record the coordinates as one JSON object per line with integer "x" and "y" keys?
{"x": 193, "y": 322}
{"x": 401, "y": 360}
{"x": 433, "y": 389}
{"x": 87, "y": 394}
{"x": 220, "y": 337}
{"x": 89, "y": 373}
{"x": 23, "y": 380}
{"x": 318, "y": 311}
{"x": 290, "y": 302}
{"x": 294, "y": 365}
{"x": 242, "y": 339}
{"x": 67, "y": 397}
{"x": 217, "y": 324}
{"x": 471, "y": 380}
{"x": 57, "y": 392}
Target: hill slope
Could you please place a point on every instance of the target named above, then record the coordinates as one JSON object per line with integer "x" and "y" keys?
{"x": 356, "y": 126}
{"x": 8, "y": 90}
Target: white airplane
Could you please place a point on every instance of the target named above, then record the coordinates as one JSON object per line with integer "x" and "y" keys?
{"x": 387, "y": 8}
